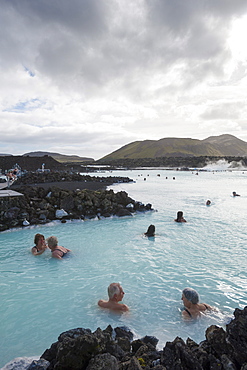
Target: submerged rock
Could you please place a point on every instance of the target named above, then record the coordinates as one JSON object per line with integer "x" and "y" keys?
{"x": 20, "y": 363}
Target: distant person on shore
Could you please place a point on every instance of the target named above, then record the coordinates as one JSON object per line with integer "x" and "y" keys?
{"x": 192, "y": 307}
{"x": 12, "y": 174}
{"x": 150, "y": 231}
{"x": 40, "y": 245}
{"x": 208, "y": 202}
{"x": 116, "y": 294}
{"x": 56, "y": 251}
{"x": 180, "y": 217}
{"x": 234, "y": 194}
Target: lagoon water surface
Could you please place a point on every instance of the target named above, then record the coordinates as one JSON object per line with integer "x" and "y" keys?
{"x": 42, "y": 297}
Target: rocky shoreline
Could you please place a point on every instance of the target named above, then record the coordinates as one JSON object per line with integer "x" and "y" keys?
{"x": 115, "y": 349}
{"x": 31, "y": 178}
{"x": 62, "y": 196}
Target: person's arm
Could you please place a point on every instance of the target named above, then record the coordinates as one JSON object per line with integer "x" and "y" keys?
{"x": 208, "y": 307}
{"x": 101, "y": 303}
{"x": 64, "y": 249}
{"x": 35, "y": 251}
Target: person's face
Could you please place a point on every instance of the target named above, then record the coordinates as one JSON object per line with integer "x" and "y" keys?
{"x": 51, "y": 247}
{"x": 185, "y": 300}
{"x": 121, "y": 294}
{"x": 41, "y": 241}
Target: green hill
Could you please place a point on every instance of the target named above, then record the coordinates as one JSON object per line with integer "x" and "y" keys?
{"x": 217, "y": 146}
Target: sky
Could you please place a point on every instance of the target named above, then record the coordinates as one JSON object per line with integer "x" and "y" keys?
{"x": 86, "y": 77}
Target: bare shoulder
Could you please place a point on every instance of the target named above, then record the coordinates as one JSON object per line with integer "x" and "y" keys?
{"x": 124, "y": 307}
{"x": 203, "y": 307}
{"x": 186, "y": 315}
{"x": 55, "y": 254}
{"x": 34, "y": 250}
{"x": 63, "y": 249}
{"x": 102, "y": 303}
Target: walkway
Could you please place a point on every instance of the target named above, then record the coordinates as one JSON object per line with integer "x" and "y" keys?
{"x": 9, "y": 193}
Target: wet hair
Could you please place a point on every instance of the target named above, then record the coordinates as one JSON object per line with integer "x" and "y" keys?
{"x": 150, "y": 230}
{"x": 113, "y": 288}
{"x": 179, "y": 215}
{"x": 191, "y": 295}
{"x": 52, "y": 241}
{"x": 37, "y": 238}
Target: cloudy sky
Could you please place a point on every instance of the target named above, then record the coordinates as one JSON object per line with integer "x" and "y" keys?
{"x": 86, "y": 77}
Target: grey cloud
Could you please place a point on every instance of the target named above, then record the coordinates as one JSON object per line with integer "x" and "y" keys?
{"x": 229, "y": 110}
{"x": 88, "y": 45}
{"x": 62, "y": 141}
{"x": 78, "y": 15}
{"x": 91, "y": 51}
{"x": 179, "y": 15}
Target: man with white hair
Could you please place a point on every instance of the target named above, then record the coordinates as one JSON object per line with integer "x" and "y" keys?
{"x": 116, "y": 294}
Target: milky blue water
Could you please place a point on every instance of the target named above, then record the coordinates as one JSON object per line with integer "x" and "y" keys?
{"x": 42, "y": 297}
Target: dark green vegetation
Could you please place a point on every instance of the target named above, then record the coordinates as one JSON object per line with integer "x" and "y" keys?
{"x": 29, "y": 163}
{"x": 174, "y": 162}
{"x": 62, "y": 158}
{"x": 214, "y": 146}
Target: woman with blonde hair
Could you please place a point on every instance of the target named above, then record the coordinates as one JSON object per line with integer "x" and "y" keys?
{"x": 57, "y": 251}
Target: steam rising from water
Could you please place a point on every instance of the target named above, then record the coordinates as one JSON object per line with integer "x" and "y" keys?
{"x": 223, "y": 165}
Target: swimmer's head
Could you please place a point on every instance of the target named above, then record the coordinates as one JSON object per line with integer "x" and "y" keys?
{"x": 191, "y": 295}
{"x": 37, "y": 238}
{"x": 114, "y": 288}
{"x": 52, "y": 242}
{"x": 150, "y": 230}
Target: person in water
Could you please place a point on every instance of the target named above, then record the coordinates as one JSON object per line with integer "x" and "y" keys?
{"x": 116, "y": 294}
{"x": 56, "y": 251}
{"x": 150, "y": 231}
{"x": 192, "y": 307}
{"x": 234, "y": 194}
{"x": 40, "y": 245}
{"x": 208, "y": 202}
{"x": 180, "y": 217}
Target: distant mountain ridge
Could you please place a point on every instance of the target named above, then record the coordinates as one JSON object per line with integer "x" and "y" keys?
{"x": 62, "y": 158}
{"x": 217, "y": 146}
